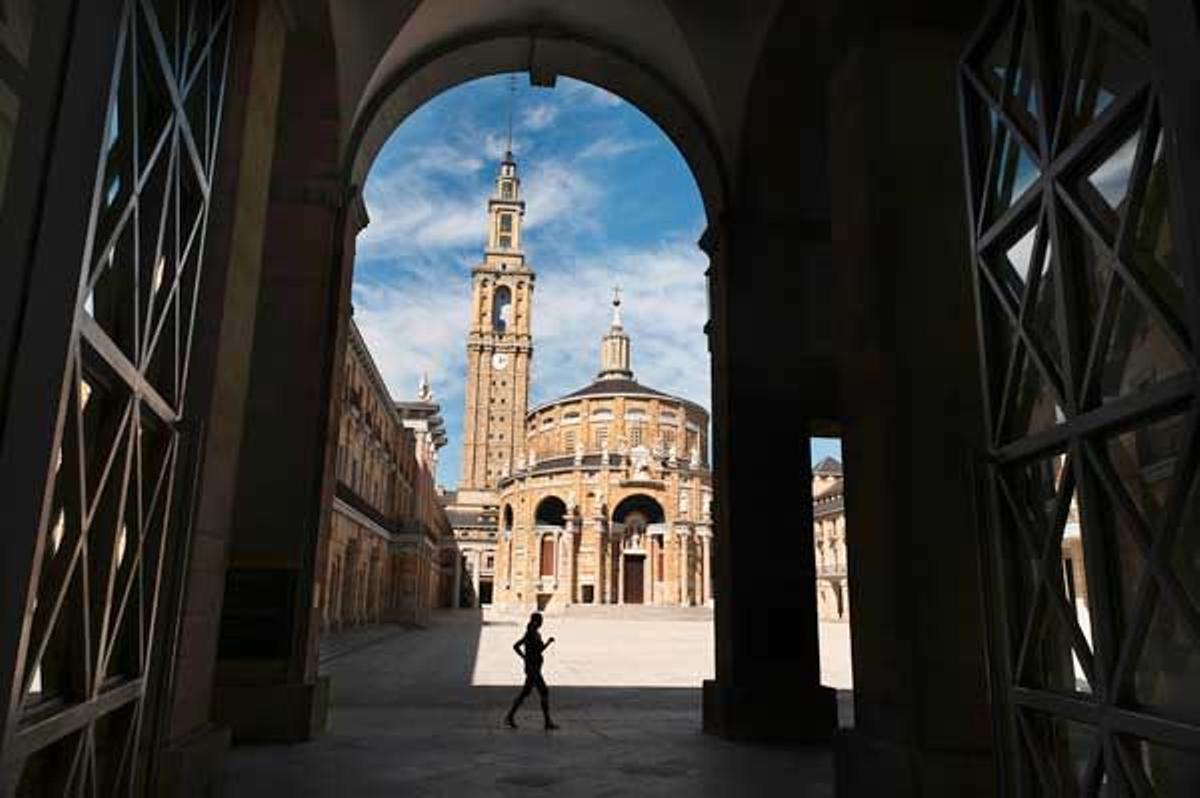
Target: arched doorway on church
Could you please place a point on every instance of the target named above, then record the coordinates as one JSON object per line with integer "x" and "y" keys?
{"x": 641, "y": 541}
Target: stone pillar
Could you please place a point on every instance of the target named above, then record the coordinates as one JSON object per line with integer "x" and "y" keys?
{"x": 767, "y": 683}
{"x": 571, "y": 540}
{"x": 620, "y": 569}
{"x": 475, "y": 563}
{"x": 684, "y": 543}
{"x": 266, "y": 685}
{"x": 911, "y": 419}
{"x": 603, "y": 580}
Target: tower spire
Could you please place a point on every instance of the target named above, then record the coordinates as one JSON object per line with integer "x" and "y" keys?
{"x": 616, "y": 303}
{"x": 512, "y": 98}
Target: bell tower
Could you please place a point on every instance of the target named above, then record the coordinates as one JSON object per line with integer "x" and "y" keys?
{"x": 499, "y": 342}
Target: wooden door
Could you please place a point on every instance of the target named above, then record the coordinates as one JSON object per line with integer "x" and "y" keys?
{"x": 635, "y": 566}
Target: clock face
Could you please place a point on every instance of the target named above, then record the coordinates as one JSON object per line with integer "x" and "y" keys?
{"x": 499, "y": 361}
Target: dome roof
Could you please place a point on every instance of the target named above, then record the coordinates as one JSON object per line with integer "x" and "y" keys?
{"x": 614, "y": 385}
{"x": 617, "y": 386}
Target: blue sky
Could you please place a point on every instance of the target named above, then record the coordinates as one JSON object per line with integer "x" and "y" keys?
{"x": 609, "y": 200}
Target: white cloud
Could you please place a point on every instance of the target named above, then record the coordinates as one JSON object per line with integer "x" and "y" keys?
{"x": 555, "y": 191}
{"x": 417, "y": 328}
{"x": 609, "y": 147}
{"x": 577, "y": 89}
{"x": 664, "y": 308}
{"x": 538, "y": 117}
{"x": 433, "y": 199}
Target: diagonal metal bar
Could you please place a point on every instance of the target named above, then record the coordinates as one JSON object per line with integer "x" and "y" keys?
{"x": 105, "y": 474}
{"x": 136, "y": 564}
{"x": 164, "y": 62}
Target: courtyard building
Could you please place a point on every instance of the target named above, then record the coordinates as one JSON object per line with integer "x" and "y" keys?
{"x": 963, "y": 237}
{"x": 388, "y": 547}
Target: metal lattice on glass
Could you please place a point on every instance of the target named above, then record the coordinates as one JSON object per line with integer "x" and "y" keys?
{"x": 89, "y": 638}
{"x": 1089, "y": 368}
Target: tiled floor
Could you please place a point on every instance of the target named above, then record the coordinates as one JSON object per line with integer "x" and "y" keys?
{"x": 419, "y": 714}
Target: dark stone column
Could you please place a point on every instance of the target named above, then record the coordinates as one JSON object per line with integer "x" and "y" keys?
{"x": 193, "y": 746}
{"x": 911, "y": 420}
{"x": 768, "y": 665}
{"x": 267, "y": 686}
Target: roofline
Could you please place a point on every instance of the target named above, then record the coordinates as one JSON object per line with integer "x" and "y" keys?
{"x": 356, "y": 339}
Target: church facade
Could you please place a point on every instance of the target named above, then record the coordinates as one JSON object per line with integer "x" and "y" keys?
{"x": 599, "y": 497}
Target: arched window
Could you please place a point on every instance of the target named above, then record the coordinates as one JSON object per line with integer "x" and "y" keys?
{"x": 501, "y": 309}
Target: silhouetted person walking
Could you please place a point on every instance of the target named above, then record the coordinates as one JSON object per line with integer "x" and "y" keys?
{"x": 533, "y": 645}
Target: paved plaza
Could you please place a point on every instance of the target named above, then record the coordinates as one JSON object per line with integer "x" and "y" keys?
{"x": 418, "y": 713}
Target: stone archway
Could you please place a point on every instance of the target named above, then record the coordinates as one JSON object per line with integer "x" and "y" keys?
{"x": 303, "y": 141}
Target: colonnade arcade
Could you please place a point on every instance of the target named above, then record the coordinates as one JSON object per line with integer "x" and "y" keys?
{"x": 196, "y": 168}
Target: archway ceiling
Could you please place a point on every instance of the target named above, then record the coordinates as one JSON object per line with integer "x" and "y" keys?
{"x": 376, "y": 41}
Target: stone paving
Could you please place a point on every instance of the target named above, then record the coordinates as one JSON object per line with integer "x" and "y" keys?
{"x": 418, "y": 713}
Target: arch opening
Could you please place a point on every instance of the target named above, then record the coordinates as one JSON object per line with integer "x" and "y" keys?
{"x": 551, "y": 511}
{"x": 641, "y": 507}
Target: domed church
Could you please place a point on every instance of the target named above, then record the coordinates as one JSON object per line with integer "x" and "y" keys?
{"x": 598, "y": 497}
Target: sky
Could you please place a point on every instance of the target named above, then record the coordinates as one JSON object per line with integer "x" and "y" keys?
{"x": 609, "y": 201}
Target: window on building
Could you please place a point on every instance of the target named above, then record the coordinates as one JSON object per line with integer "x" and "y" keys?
{"x": 490, "y": 561}
{"x": 505, "y": 242}
{"x": 635, "y": 435}
{"x": 506, "y": 223}
{"x": 506, "y": 190}
{"x": 547, "y": 556}
{"x": 569, "y": 441}
{"x": 668, "y": 438}
{"x": 588, "y": 594}
{"x": 601, "y": 437}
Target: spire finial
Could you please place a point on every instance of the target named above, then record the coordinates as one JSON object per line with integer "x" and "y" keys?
{"x": 616, "y": 303}
{"x": 512, "y": 96}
